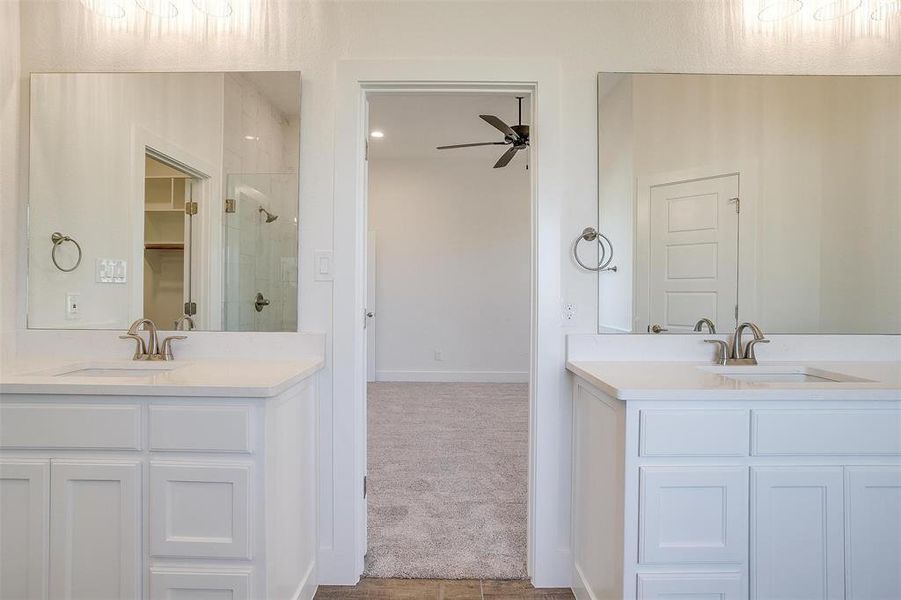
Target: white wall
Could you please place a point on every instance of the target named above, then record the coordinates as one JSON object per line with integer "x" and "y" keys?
{"x": 10, "y": 89}
{"x": 821, "y": 201}
{"x": 582, "y": 37}
{"x": 452, "y": 269}
{"x": 86, "y": 157}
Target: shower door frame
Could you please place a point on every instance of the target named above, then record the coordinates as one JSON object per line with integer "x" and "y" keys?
{"x": 343, "y": 448}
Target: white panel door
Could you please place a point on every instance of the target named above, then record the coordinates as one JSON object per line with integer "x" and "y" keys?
{"x": 873, "y": 534}
{"x": 693, "y": 515}
{"x": 95, "y": 520}
{"x": 797, "y": 533}
{"x": 693, "y": 253}
{"x": 199, "y": 510}
{"x": 24, "y": 528}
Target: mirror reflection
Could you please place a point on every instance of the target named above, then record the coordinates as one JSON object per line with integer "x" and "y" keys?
{"x": 731, "y": 198}
{"x": 171, "y": 196}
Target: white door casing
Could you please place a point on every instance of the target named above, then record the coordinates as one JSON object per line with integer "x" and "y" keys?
{"x": 371, "y": 304}
{"x": 797, "y": 533}
{"x": 95, "y": 521}
{"x": 693, "y": 268}
{"x": 24, "y": 523}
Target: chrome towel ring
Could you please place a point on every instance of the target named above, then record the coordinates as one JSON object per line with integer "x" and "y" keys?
{"x": 590, "y": 234}
{"x": 57, "y": 238}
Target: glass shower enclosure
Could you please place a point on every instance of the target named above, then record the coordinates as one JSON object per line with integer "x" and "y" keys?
{"x": 260, "y": 232}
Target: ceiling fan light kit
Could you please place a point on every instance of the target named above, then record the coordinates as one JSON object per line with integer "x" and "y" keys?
{"x": 515, "y": 136}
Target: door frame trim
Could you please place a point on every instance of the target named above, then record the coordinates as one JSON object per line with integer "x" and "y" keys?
{"x": 342, "y": 465}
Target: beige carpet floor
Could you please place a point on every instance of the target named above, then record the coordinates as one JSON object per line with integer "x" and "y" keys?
{"x": 448, "y": 478}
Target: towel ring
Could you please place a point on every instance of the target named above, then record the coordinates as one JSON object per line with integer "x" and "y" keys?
{"x": 590, "y": 234}
{"x": 57, "y": 238}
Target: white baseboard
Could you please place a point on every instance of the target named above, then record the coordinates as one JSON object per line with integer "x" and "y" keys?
{"x": 307, "y": 587}
{"x": 455, "y": 376}
{"x": 580, "y": 588}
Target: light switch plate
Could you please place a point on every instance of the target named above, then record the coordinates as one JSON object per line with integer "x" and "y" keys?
{"x": 322, "y": 265}
{"x": 110, "y": 270}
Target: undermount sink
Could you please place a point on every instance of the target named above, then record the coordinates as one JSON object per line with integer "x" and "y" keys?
{"x": 111, "y": 369}
{"x": 780, "y": 374}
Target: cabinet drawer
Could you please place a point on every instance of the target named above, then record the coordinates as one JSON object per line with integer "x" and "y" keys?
{"x": 106, "y": 426}
{"x": 200, "y": 428}
{"x": 825, "y": 432}
{"x": 200, "y": 510}
{"x": 693, "y": 433}
{"x": 199, "y": 585}
{"x": 664, "y": 586}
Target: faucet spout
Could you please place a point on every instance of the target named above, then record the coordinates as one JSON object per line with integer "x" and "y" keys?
{"x": 737, "y": 355}
{"x": 151, "y": 348}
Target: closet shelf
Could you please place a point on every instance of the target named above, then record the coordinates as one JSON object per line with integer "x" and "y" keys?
{"x": 164, "y": 246}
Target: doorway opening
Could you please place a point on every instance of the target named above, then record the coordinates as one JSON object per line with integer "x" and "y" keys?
{"x": 448, "y": 334}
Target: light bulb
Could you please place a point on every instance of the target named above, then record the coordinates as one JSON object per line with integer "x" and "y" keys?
{"x": 778, "y": 10}
{"x": 214, "y": 8}
{"x": 107, "y": 8}
{"x": 830, "y": 11}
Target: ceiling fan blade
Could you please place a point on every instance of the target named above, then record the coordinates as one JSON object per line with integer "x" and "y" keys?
{"x": 506, "y": 157}
{"x": 471, "y": 145}
{"x": 500, "y": 126}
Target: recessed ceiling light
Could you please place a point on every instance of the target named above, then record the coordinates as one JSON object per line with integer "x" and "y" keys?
{"x": 214, "y": 8}
{"x": 886, "y": 9}
{"x": 830, "y": 11}
{"x": 777, "y": 10}
{"x": 252, "y": 138}
{"x": 159, "y": 8}
{"x": 377, "y": 134}
{"x": 107, "y": 8}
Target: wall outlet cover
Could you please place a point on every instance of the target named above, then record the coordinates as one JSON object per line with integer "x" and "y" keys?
{"x": 73, "y": 305}
{"x": 569, "y": 311}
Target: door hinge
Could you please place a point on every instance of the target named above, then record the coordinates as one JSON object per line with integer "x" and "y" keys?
{"x": 190, "y": 208}
{"x": 736, "y": 313}
{"x": 737, "y": 203}
{"x": 366, "y": 150}
{"x": 364, "y": 486}
{"x": 190, "y": 308}
{"x": 229, "y": 205}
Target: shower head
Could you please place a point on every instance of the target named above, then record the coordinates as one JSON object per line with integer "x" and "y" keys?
{"x": 269, "y": 216}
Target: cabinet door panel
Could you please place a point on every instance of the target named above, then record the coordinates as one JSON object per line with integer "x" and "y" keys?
{"x": 693, "y": 515}
{"x": 873, "y": 534}
{"x": 95, "y": 518}
{"x": 24, "y": 523}
{"x": 797, "y": 533}
{"x": 199, "y": 510}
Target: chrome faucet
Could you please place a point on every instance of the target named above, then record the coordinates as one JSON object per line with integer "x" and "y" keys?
{"x": 735, "y": 355}
{"x": 152, "y": 349}
{"x": 711, "y": 328}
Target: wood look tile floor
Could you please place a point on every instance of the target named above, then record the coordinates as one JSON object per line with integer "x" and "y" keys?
{"x": 371, "y": 588}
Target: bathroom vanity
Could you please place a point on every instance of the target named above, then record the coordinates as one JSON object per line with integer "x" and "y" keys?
{"x": 771, "y": 481}
{"x": 127, "y": 479}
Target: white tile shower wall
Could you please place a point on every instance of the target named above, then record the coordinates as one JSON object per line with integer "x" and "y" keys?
{"x": 260, "y": 257}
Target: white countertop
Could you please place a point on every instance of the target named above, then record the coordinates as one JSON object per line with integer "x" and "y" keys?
{"x": 686, "y": 381}
{"x": 193, "y": 377}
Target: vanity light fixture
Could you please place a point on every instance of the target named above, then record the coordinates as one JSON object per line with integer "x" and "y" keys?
{"x": 214, "y": 8}
{"x": 108, "y": 8}
{"x": 886, "y": 9}
{"x": 159, "y": 8}
{"x": 836, "y": 9}
{"x": 779, "y": 10}
{"x": 377, "y": 134}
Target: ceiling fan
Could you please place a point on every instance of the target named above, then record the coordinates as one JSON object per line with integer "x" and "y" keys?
{"x": 516, "y": 136}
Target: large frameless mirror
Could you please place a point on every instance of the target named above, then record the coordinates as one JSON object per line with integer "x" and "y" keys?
{"x": 172, "y": 196}
{"x": 730, "y": 198}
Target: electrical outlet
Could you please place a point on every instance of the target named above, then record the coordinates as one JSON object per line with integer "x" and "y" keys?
{"x": 569, "y": 311}
{"x": 73, "y": 305}
{"x": 439, "y": 355}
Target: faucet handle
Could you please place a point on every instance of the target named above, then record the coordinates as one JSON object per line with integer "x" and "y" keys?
{"x": 749, "y": 347}
{"x": 140, "y": 347}
{"x": 166, "y": 347}
{"x": 722, "y": 350}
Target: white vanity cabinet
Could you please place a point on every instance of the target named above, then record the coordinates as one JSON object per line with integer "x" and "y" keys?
{"x": 158, "y": 497}
{"x": 736, "y": 499}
